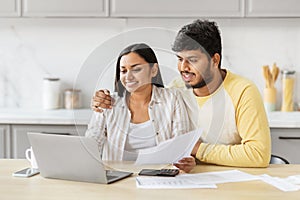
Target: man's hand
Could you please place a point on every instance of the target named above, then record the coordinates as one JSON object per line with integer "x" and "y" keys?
{"x": 186, "y": 164}
{"x": 102, "y": 99}
{"x": 196, "y": 147}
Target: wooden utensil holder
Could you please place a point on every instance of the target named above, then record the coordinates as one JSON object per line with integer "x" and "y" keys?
{"x": 270, "y": 99}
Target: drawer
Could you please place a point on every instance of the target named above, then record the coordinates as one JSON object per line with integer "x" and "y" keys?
{"x": 286, "y": 143}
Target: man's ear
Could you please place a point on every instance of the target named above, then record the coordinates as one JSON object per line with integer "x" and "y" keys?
{"x": 216, "y": 59}
{"x": 154, "y": 70}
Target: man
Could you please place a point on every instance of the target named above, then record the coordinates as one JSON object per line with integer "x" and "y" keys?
{"x": 231, "y": 111}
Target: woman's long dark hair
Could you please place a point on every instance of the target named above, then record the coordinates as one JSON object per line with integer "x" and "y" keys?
{"x": 144, "y": 51}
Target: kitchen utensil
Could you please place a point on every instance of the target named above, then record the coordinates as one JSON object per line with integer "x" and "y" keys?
{"x": 266, "y": 73}
{"x": 270, "y": 90}
{"x": 275, "y": 72}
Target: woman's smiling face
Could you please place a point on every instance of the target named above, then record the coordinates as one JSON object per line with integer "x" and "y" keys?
{"x": 135, "y": 72}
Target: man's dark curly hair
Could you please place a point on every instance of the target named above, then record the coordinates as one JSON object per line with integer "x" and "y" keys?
{"x": 199, "y": 35}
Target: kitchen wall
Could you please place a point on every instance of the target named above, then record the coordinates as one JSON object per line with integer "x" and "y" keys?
{"x": 81, "y": 52}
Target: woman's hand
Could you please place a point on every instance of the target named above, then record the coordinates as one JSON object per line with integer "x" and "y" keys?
{"x": 101, "y": 100}
{"x": 186, "y": 164}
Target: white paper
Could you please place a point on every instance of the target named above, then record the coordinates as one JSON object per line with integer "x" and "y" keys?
{"x": 210, "y": 179}
{"x": 169, "y": 151}
{"x": 168, "y": 183}
{"x": 279, "y": 183}
{"x": 219, "y": 177}
{"x": 293, "y": 179}
{"x": 199, "y": 180}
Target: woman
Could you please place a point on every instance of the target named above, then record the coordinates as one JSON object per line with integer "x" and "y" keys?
{"x": 144, "y": 112}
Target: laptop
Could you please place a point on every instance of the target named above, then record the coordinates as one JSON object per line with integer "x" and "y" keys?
{"x": 75, "y": 158}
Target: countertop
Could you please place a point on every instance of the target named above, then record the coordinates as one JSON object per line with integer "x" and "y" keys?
{"x": 83, "y": 116}
{"x": 51, "y": 117}
{"x": 284, "y": 119}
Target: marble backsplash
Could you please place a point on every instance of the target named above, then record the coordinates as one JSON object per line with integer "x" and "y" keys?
{"x": 31, "y": 49}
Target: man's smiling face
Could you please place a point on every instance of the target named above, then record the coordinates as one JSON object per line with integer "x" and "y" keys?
{"x": 195, "y": 68}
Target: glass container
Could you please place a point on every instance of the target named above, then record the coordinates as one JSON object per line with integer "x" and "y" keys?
{"x": 72, "y": 99}
{"x": 288, "y": 84}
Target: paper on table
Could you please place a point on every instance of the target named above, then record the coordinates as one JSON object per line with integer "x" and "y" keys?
{"x": 293, "y": 179}
{"x": 199, "y": 180}
{"x": 279, "y": 183}
{"x": 168, "y": 183}
{"x": 219, "y": 177}
{"x": 171, "y": 150}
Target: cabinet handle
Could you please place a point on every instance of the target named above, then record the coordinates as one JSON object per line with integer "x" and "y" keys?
{"x": 288, "y": 138}
{"x": 56, "y": 133}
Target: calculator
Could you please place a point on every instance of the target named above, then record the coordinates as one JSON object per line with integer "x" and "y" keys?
{"x": 159, "y": 172}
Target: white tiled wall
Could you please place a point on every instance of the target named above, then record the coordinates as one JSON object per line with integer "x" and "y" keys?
{"x": 82, "y": 52}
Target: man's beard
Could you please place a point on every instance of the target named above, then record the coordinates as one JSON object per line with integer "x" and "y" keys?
{"x": 206, "y": 79}
{"x": 197, "y": 85}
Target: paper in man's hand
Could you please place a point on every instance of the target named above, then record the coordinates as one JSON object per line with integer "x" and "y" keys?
{"x": 170, "y": 151}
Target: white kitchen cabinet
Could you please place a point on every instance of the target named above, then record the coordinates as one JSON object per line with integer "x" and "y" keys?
{"x": 10, "y": 8}
{"x": 20, "y": 140}
{"x": 4, "y": 141}
{"x": 177, "y": 8}
{"x": 286, "y": 143}
{"x": 272, "y": 8}
{"x": 65, "y": 8}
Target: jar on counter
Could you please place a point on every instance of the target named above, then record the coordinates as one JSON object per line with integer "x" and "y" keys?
{"x": 288, "y": 84}
{"x": 51, "y": 93}
{"x": 72, "y": 99}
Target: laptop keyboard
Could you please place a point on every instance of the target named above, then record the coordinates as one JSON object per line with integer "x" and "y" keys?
{"x": 109, "y": 177}
{"x": 111, "y": 174}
